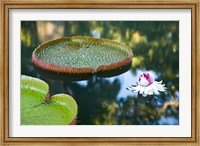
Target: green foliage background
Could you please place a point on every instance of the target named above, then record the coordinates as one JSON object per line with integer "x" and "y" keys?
{"x": 155, "y": 46}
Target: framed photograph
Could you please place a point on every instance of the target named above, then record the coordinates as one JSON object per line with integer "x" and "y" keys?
{"x": 104, "y": 72}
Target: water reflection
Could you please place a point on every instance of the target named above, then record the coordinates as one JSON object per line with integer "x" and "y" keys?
{"x": 106, "y": 100}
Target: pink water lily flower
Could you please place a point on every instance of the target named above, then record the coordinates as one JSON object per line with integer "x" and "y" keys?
{"x": 146, "y": 85}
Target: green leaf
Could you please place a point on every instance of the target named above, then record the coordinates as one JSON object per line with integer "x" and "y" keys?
{"x": 33, "y": 91}
{"x": 60, "y": 109}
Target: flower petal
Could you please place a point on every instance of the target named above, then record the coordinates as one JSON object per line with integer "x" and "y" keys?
{"x": 146, "y": 85}
{"x": 160, "y": 87}
{"x": 141, "y": 90}
{"x": 156, "y": 92}
{"x": 146, "y": 90}
{"x": 150, "y": 92}
{"x": 144, "y": 95}
{"x": 133, "y": 88}
{"x": 137, "y": 89}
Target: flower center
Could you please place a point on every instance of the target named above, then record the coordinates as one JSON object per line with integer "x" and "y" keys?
{"x": 146, "y": 79}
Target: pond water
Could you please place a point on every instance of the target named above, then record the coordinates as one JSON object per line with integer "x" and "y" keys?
{"x": 106, "y": 101}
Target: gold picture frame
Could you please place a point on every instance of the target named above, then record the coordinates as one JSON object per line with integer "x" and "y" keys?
{"x": 116, "y": 4}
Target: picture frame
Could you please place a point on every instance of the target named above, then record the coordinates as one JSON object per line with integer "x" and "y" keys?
{"x": 7, "y": 5}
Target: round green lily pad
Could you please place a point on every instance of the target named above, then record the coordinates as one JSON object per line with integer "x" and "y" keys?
{"x": 38, "y": 109}
{"x": 80, "y": 57}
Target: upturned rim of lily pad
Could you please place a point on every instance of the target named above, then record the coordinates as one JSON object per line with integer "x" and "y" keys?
{"x": 76, "y": 73}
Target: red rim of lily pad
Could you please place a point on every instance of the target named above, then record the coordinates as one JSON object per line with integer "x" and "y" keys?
{"x": 80, "y": 73}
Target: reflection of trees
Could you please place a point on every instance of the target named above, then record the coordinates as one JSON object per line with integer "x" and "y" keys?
{"x": 155, "y": 47}
{"x": 29, "y": 40}
{"x": 138, "y": 113}
{"x": 134, "y": 111}
{"x": 95, "y": 100}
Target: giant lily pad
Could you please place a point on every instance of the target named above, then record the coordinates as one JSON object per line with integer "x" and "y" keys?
{"x": 38, "y": 109}
{"x": 79, "y": 58}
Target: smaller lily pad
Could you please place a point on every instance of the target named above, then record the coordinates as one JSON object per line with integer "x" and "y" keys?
{"x": 60, "y": 109}
{"x": 80, "y": 57}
